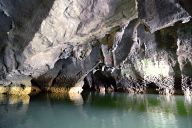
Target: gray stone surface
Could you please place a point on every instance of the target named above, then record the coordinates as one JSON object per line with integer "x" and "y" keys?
{"x": 148, "y": 59}
{"x": 136, "y": 44}
{"x": 74, "y": 23}
{"x": 36, "y": 34}
{"x": 184, "y": 53}
{"x": 142, "y": 60}
{"x": 68, "y": 72}
{"x": 158, "y": 14}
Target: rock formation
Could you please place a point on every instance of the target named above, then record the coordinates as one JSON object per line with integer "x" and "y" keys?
{"x": 106, "y": 45}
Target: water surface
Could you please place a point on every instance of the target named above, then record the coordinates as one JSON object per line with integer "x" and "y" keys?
{"x": 92, "y": 110}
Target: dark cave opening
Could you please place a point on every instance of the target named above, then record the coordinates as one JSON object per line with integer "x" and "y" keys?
{"x": 99, "y": 81}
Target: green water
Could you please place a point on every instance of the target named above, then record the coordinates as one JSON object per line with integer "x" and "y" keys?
{"x": 95, "y": 111}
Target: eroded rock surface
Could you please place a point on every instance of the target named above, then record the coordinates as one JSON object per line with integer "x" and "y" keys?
{"x": 105, "y": 45}
{"x": 184, "y": 53}
{"x": 158, "y": 14}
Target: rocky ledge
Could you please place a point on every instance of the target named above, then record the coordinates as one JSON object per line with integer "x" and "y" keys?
{"x": 134, "y": 46}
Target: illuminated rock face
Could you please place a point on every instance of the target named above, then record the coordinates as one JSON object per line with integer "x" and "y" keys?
{"x": 144, "y": 61}
{"x": 149, "y": 60}
{"x": 34, "y": 35}
{"x": 60, "y": 43}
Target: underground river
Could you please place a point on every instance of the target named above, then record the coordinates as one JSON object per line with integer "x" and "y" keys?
{"x": 93, "y": 110}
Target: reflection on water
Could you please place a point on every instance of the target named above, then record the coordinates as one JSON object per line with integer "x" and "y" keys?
{"x": 92, "y": 110}
{"x": 13, "y": 110}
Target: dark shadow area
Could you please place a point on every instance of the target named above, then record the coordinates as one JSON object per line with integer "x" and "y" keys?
{"x": 167, "y": 39}
{"x": 152, "y": 88}
{"x": 99, "y": 80}
{"x": 186, "y": 4}
{"x": 177, "y": 77}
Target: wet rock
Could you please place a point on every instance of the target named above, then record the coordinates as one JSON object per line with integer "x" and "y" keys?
{"x": 15, "y": 90}
{"x": 76, "y": 98}
{"x": 78, "y": 88}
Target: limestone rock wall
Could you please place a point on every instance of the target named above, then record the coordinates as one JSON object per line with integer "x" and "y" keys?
{"x": 144, "y": 61}
{"x": 114, "y": 45}
{"x": 36, "y": 34}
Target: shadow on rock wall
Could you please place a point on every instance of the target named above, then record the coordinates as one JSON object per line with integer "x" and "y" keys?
{"x": 19, "y": 21}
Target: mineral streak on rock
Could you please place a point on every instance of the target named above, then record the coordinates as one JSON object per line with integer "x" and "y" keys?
{"x": 107, "y": 45}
